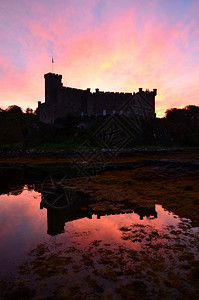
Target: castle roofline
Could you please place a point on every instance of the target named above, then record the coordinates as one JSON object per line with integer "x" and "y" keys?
{"x": 97, "y": 91}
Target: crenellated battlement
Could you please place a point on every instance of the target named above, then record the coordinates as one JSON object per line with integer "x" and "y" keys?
{"x": 52, "y": 75}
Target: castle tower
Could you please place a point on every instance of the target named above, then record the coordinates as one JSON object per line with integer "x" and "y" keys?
{"x": 52, "y": 84}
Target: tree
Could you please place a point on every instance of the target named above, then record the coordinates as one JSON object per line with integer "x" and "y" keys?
{"x": 189, "y": 112}
{"x": 29, "y": 110}
{"x": 192, "y": 112}
{"x": 183, "y": 124}
{"x": 176, "y": 115}
{"x": 15, "y": 109}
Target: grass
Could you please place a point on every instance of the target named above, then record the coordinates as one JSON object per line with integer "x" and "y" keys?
{"x": 67, "y": 144}
{"x": 13, "y": 146}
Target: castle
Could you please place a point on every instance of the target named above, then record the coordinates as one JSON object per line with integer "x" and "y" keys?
{"x": 61, "y": 101}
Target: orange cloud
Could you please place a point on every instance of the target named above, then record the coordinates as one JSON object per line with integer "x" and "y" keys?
{"x": 132, "y": 46}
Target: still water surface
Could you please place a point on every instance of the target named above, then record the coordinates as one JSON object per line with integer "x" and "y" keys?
{"x": 24, "y": 226}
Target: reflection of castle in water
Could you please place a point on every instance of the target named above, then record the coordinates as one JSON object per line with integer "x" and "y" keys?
{"x": 56, "y": 218}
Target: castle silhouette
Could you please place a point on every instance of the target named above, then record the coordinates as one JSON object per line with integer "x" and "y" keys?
{"x": 61, "y": 101}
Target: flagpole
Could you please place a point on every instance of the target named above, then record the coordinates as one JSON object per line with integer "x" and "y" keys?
{"x": 52, "y": 63}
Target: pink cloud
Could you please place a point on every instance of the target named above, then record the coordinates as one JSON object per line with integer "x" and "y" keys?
{"x": 131, "y": 47}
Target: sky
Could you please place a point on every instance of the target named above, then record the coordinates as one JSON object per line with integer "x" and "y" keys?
{"x": 113, "y": 45}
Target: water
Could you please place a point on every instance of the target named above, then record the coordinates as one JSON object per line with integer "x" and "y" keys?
{"x": 104, "y": 253}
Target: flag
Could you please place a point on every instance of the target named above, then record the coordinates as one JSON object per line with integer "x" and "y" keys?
{"x": 52, "y": 60}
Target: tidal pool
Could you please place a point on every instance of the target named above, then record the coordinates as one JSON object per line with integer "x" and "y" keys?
{"x": 48, "y": 254}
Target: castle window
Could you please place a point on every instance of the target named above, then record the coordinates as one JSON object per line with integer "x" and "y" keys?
{"x": 82, "y": 114}
{"x": 121, "y": 112}
{"x": 113, "y": 112}
{"x": 104, "y": 112}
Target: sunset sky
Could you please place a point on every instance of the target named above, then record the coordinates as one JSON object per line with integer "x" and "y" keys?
{"x": 113, "y": 45}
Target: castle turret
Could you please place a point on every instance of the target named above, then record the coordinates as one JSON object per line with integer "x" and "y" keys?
{"x": 52, "y": 84}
